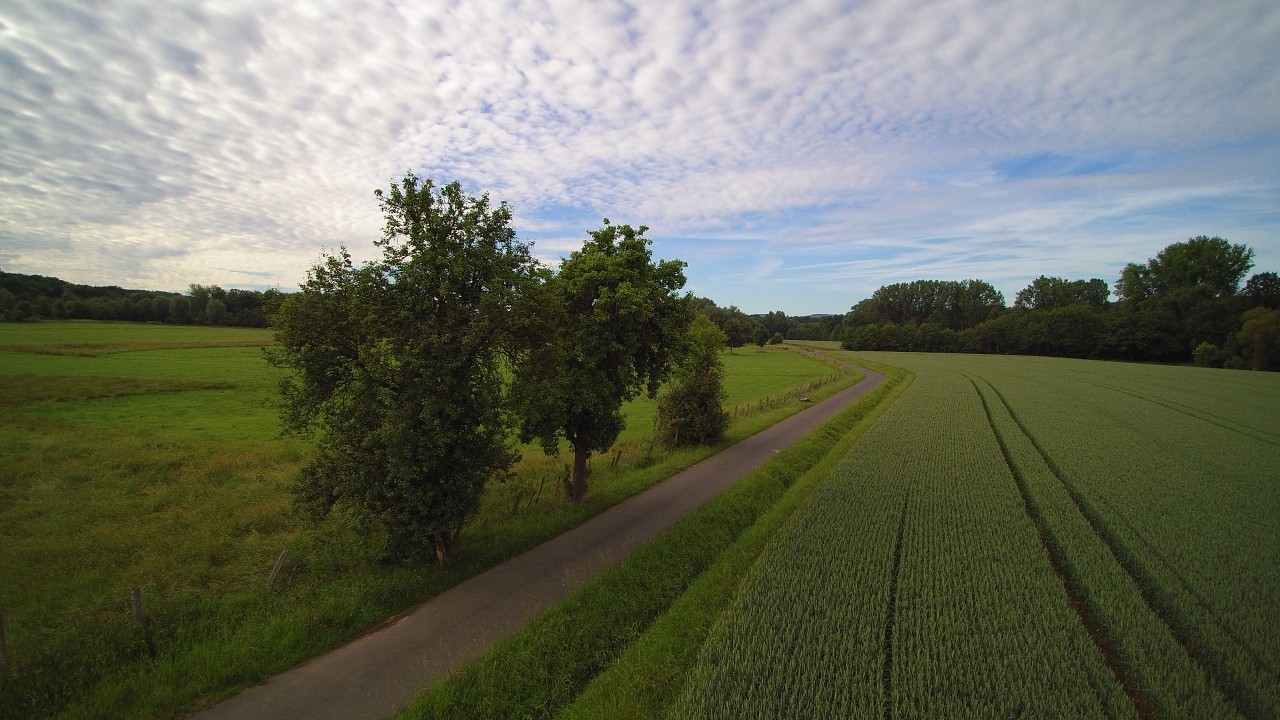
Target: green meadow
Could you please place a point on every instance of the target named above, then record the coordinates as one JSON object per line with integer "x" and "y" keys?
{"x": 149, "y": 456}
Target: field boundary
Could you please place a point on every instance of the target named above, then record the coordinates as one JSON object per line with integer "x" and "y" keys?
{"x": 647, "y": 678}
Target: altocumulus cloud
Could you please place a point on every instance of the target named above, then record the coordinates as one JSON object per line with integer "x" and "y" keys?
{"x": 797, "y": 154}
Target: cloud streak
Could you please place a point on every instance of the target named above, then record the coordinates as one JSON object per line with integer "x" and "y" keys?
{"x": 797, "y": 154}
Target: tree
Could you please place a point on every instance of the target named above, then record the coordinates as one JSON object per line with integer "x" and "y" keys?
{"x": 958, "y": 305}
{"x": 691, "y": 408}
{"x": 760, "y": 335}
{"x": 738, "y": 330}
{"x": 1209, "y": 262}
{"x": 399, "y": 363}
{"x": 613, "y": 322}
{"x": 1047, "y": 293}
{"x": 1260, "y": 339}
{"x": 1263, "y": 290}
{"x": 1201, "y": 262}
{"x": 180, "y": 310}
{"x": 215, "y": 311}
{"x": 1205, "y": 354}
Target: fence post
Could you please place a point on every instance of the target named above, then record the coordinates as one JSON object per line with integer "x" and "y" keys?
{"x": 280, "y": 562}
{"x": 4, "y": 652}
{"x": 135, "y": 594}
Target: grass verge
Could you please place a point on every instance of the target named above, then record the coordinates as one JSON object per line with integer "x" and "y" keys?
{"x": 689, "y": 573}
{"x": 157, "y": 468}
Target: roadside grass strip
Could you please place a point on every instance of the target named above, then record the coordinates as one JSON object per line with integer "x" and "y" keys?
{"x": 919, "y": 536}
{"x": 649, "y": 675}
{"x": 544, "y": 667}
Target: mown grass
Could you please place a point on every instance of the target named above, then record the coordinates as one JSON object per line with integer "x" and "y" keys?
{"x": 683, "y": 578}
{"x": 157, "y": 464}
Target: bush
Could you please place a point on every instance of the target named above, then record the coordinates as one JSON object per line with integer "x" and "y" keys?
{"x": 691, "y": 410}
{"x": 1206, "y": 354}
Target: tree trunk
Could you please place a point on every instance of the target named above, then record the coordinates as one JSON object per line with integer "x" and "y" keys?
{"x": 579, "y": 488}
{"x": 442, "y": 549}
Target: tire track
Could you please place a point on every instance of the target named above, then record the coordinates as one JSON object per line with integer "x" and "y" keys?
{"x": 1072, "y": 584}
{"x": 1156, "y": 596}
{"x": 887, "y": 645}
{"x": 1202, "y": 416}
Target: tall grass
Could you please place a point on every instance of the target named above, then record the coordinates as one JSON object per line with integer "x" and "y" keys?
{"x": 154, "y": 461}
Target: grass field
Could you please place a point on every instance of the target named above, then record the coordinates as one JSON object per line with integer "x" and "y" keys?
{"x": 1023, "y": 537}
{"x": 148, "y": 456}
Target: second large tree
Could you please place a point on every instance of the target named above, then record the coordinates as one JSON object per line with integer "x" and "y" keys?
{"x": 615, "y": 318}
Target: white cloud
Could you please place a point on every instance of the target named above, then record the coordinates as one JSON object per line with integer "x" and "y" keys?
{"x": 161, "y": 144}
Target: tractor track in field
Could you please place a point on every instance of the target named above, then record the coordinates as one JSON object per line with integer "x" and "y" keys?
{"x": 1151, "y": 590}
{"x": 379, "y": 672}
{"x": 1201, "y": 415}
{"x": 1072, "y": 584}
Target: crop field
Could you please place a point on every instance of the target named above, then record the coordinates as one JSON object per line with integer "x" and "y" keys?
{"x": 1023, "y": 537}
{"x": 148, "y": 456}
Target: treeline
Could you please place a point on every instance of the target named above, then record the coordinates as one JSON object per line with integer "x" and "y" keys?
{"x": 1185, "y": 304}
{"x": 772, "y": 328}
{"x": 36, "y": 297}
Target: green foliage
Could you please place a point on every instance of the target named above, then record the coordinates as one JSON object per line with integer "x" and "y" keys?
{"x": 612, "y": 322}
{"x": 1205, "y": 262}
{"x": 691, "y": 408}
{"x": 949, "y": 304}
{"x": 649, "y": 676}
{"x": 1206, "y": 354}
{"x": 1046, "y": 293}
{"x": 399, "y": 363}
{"x": 1260, "y": 339}
{"x": 1263, "y": 290}
{"x": 35, "y": 297}
{"x": 776, "y": 339}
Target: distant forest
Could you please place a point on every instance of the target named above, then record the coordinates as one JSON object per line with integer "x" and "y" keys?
{"x": 36, "y": 297}
{"x": 1186, "y": 304}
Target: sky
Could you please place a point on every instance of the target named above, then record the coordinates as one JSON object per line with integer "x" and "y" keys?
{"x": 797, "y": 155}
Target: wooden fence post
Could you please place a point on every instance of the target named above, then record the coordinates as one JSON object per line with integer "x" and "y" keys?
{"x": 4, "y": 652}
{"x": 280, "y": 562}
{"x": 135, "y": 594}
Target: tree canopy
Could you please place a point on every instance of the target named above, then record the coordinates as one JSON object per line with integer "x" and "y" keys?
{"x": 957, "y": 305}
{"x": 1210, "y": 264}
{"x": 399, "y": 364}
{"x": 1047, "y": 293}
{"x": 614, "y": 320}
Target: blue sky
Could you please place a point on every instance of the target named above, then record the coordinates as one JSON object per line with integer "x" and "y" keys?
{"x": 797, "y": 155}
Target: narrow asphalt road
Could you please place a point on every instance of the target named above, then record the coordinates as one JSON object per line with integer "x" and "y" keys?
{"x": 377, "y": 674}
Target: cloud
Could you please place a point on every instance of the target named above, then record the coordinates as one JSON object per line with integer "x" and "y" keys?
{"x": 830, "y": 143}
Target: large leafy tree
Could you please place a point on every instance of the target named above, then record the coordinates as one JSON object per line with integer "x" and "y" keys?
{"x": 399, "y": 364}
{"x": 957, "y": 305}
{"x": 614, "y": 321}
{"x": 1208, "y": 264}
{"x": 1047, "y": 293}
